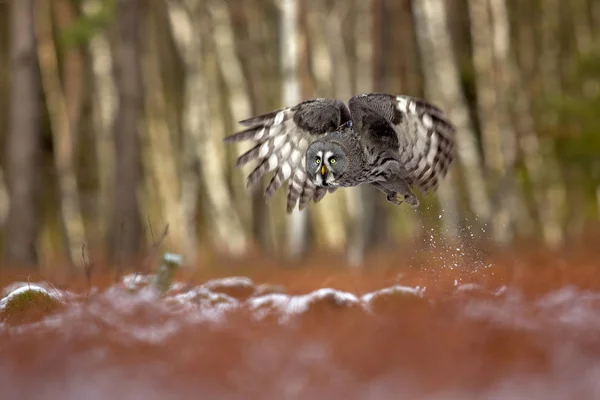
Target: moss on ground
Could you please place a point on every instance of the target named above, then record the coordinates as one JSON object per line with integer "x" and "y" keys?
{"x": 28, "y": 305}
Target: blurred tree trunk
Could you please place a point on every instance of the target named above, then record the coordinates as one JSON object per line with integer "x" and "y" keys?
{"x": 22, "y": 151}
{"x": 329, "y": 213}
{"x": 125, "y": 232}
{"x": 159, "y": 158}
{"x": 511, "y": 101}
{"x": 378, "y": 231}
{"x": 595, "y": 15}
{"x": 442, "y": 86}
{"x": 361, "y": 200}
{"x": 72, "y": 67}
{"x": 553, "y": 201}
{"x": 194, "y": 113}
{"x": 298, "y": 221}
{"x": 62, "y": 134}
{"x": 598, "y": 202}
{"x": 4, "y": 105}
{"x": 582, "y": 24}
{"x": 249, "y": 42}
{"x": 493, "y": 80}
{"x": 550, "y": 53}
{"x": 239, "y": 96}
{"x": 203, "y": 152}
{"x": 217, "y": 170}
{"x": 104, "y": 107}
{"x": 4, "y": 199}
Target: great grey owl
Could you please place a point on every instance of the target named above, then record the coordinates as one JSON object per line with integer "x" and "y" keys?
{"x": 390, "y": 142}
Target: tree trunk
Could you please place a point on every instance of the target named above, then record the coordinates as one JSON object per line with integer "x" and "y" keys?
{"x": 104, "y": 107}
{"x": 329, "y": 213}
{"x": 550, "y": 53}
{"x": 4, "y": 105}
{"x": 239, "y": 95}
{"x": 194, "y": 116}
{"x": 510, "y": 96}
{"x": 22, "y": 149}
{"x": 62, "y": 135}
{"x": 361, "y": 200}
{"x": 553, "y": 200}
{"x": 378, "y": 231}
{"x": 125, "y": 228}
{"x": 490, "y": 58}
{"x": 582, "y": 24}
{"x": 72, "y": 67}
{"x": 298, "y": 221}
{"x": 4, "y": 199}
{"x": 160, "y": 155}
{"x": 202, "y": 141}
{"x": 442, "y": 86}
{"x": 249, "y": 42}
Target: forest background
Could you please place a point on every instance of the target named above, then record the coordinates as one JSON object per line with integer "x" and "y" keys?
{"x": 112, "y": 115}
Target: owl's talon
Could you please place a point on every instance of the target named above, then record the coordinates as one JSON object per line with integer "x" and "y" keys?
{"x": 411, "y": 200}
{"x": 394, "y": 199}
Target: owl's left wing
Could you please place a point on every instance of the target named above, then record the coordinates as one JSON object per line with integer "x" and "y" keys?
{"x": 283, "y": 137}
{"x": 423, "y": 135}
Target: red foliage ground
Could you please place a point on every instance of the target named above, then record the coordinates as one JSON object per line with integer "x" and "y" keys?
{"x": 538, "y": 338}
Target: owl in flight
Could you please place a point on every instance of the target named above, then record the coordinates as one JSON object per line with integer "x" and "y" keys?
{"x": 390, "y": 142}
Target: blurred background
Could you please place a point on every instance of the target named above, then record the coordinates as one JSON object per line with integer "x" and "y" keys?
{"x": 112, "y": 115}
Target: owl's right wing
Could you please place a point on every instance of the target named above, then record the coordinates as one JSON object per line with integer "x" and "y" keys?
{"x": 283, "y": 137}
{"x": 423, "y": 135}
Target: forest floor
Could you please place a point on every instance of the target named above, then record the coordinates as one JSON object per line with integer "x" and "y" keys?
{"x": 445, "y": 324}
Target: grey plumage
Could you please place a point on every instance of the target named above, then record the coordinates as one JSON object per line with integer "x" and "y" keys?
{"x": 390, "y": 142}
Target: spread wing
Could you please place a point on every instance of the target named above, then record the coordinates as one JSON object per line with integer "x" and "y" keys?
{"x": 423, "y": 135}
{"x": 283, "y": 137}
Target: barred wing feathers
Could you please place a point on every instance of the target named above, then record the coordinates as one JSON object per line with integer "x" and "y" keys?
{"x": 426, "y": 138}
{"x": 282, "y": 138}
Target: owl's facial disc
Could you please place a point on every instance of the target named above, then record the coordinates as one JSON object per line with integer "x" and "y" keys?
{"x": 325, "y": 162}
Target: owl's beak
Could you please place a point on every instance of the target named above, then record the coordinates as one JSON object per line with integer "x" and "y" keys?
{"x": 323, "y": 171}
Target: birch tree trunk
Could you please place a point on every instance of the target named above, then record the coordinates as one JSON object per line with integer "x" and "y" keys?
{"x": 104, "y": 106}
{"x": 201, "y": 139}
{"x": 298, "y": 221}
{"x": 550, "y": 53}
{"x": 582, "y": 23}
{"x": 490, "y": 52}
{"x": 4, "y": 199}
{"x": 4, "y": 105}
{"x": 72, "y": 67}
{"x": 595, "y": 15}
{"x": 22, "y": 149}
{"x": 379, "y": 231}
{"x": 239, "y": 94}
{"x": 443, "y": 87}
{"x": 554, "y": 198}
{"x": 160, "y": 158}
{"x": 62, "y": 135}
{"x": 361, "y": 200}
{"x": 250, "y": 41}
{"x": 125, "y": 231}
{"x": 510, "y": 100}
{"x": 330, "y": 212}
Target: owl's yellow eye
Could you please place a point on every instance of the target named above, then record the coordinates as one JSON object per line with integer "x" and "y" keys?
{"x": 317, "y": 161}
{"x": 332, "y": 160}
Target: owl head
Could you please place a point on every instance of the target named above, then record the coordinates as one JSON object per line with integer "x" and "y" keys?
{"x": 326, "y": 162}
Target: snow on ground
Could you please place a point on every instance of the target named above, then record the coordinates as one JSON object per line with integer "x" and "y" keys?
{"x": 133, "y": 313}
{"x": 212, "y": 301}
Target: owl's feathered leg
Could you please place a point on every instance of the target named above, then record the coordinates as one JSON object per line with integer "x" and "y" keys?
{"x": 389, "y": 177}
{"x": 396, "y": 187}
